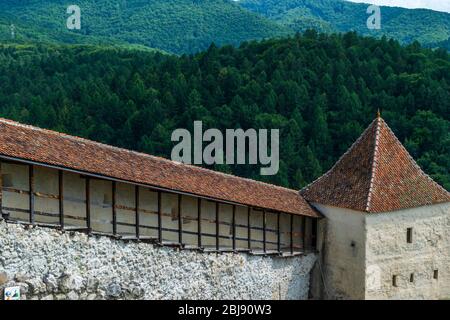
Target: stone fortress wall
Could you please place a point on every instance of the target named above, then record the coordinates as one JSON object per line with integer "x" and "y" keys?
{"x": 51, "y": 264}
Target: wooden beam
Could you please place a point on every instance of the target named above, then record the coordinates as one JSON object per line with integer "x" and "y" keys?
{"x": 1, "y": 190}
{"x": 159, "y": 218}
{"x": 292, "y": 234}
{"x": 217, "y": 227}
{"x": 314, "y": 233}
{"x": 233, "y": 225}
{"x": 136, "y": 203}
{"x": 180, "y": 221}
{"x": 278, "y": 233}
{"x": 114, "y": 209}
{"x": 304, "y": 232}
{"x": 249, "y": 229}
{"x": 88, "y": 204}
{"x": 61, "y": 197}
{"x": 199, "y": 221}
{"x": 264, "y": 231}
{"x": 31, "y": 187}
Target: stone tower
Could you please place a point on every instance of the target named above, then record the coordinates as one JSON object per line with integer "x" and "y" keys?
{"x": 387, "y": 232}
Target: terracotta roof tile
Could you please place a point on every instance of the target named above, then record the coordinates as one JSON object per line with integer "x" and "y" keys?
{"x": 61, "y": 150}
{"x": 376, "y": 174}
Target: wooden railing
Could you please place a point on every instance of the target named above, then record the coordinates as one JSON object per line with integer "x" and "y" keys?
{"x": 305, "y": 240}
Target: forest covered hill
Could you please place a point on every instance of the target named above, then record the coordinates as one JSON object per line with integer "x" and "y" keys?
{"x": 320, "y": 90}
{"x": 188, "y": 26}
{"x": 176, "y": 26}
{"x": 429, "y": 27}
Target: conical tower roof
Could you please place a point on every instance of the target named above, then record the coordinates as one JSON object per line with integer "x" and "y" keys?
{"x": 376, "y": 174}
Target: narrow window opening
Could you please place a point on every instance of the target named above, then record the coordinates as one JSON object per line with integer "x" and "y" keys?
{"x": 435, "y": 274}
{"x": 411, "y": 277}
{"x": 394, "y": 280}
{"x": 409, "y": 235}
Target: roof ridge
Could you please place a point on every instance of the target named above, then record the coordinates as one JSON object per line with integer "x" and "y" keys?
{"x": 374, "y": 162}
{"x": 81, "y": 139}
{"x": 414, "y": 162}
{"x": 340, "y": 158}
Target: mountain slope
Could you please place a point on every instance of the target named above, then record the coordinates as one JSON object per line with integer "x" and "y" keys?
{"x": 177, "y": 26}
{"x": 186, "y": 26}
{"x": 405, "y": 25}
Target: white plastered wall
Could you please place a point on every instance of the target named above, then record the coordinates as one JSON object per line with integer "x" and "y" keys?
{"x": 343, "y": 253}
{"x": 362, "y": 252}
{"x": 388, "y": 253}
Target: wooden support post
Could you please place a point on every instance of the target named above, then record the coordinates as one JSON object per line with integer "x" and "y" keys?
{"x": 314, "y": 233}
{"x": 1, "y": 191}
{"x": 292, "y": 234}
{"x": 88, "y": 205}
{"x": 61, "y": 197}
{"x": 217, "y": 227}
{"x": 114, "y": 210}
{"x": 159, "y": 218}
{"x": 31, "y": 187}
{"x": 136, "y": 202}
{"x": 233, "y": 223}
{"x": 249, "y": 229}
{"x": 180, "y": 222}
{"x": 199, "y": 222}
{"x": 264, "y": 231}
{"x": 279, "y": 233}
{"x": 304, "y": 233}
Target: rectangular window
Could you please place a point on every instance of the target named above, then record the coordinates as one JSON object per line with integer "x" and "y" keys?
{"x": 125, "y": 209}
{"x": 74, "y": 187}
{"x": 257, "y": 234}
{"x": 411, "y": 277}
{"x": 394, "y": 280}
{"x": 435, "y": 274}
{"x": 242, "y": 228}
{"x": 189, "y": 214}
{"x": 170, "y": 213}
{"x": 272, "y": 232}
{"x": 285, "y": 230}
{"x": 101, "y": 205}
{"x": 297, "y": 234}
{"x": 148, "y": 213}
{"x": 16, "y": 197}
{"x": 46, "y": 197}
{"x": 225, "y": 226}
{"x": 409, "y": 235}
{"x": 208, "y": 224}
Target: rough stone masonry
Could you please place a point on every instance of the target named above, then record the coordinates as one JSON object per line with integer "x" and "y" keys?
{"x": 51, "y": 264}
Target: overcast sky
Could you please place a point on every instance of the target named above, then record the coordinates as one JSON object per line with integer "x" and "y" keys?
{"x": 439, "y": 5}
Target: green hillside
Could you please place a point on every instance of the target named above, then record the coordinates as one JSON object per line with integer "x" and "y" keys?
{"x": 405, "y": 25}
{"x": 321, "y": 91}
{"x": 187, "y": 26}
{"x": 177, "y": 26}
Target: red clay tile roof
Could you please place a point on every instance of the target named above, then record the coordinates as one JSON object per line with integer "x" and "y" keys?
{"x": 52, "y": 148}
{"x": 376, "y": 174}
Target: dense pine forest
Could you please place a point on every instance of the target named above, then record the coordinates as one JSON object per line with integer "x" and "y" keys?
{"x": 320, "y": 90}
